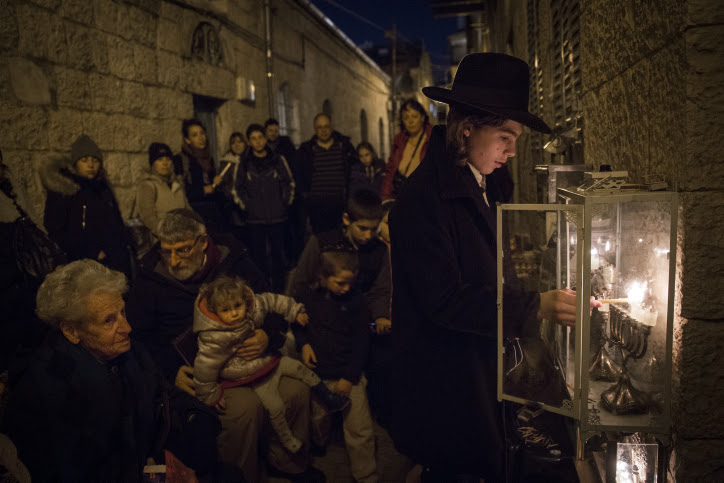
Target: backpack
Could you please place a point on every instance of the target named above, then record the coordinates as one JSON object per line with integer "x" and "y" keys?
{"x": 36, "y": 255}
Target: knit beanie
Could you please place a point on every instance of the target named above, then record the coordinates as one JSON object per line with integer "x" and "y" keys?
{"x": 158, "y": 150}
{"x": 84, "y": 146}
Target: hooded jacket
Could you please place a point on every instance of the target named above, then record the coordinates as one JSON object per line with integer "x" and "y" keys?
{"x": 263, "y": 187}
{"x": 367, "y": 177}
{"x": 219, "y": 342}
{"x": 82, "y": 216}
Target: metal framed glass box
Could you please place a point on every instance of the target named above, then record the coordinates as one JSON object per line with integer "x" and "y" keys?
{"x": 554, "y": 176}
{"x": 612, "y": 371}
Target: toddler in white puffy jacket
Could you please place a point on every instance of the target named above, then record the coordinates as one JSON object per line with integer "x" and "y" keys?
{"x": 226, "y": 313}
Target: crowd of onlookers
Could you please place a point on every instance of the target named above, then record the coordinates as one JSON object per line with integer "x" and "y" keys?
{"x": 220, "y": 328}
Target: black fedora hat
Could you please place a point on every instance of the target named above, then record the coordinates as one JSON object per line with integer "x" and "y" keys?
{"x": 491, "y": 83}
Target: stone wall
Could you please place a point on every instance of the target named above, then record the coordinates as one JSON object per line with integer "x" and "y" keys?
{"x": 322, "y": 67}
{"x": 122, "y": 72}
{"x": 653, "y": 102}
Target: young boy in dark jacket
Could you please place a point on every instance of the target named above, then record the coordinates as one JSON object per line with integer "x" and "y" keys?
{"x": 264, "y": 189}
{"x": 335, "y": 344}
{"x": 357, "y": 232}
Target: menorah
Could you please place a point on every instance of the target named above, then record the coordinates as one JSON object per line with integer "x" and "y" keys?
{"x": 603, "y": 367}
{"x": 631, "y": 336}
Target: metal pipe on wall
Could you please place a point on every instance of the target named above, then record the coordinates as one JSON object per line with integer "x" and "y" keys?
{"x": 268, "y": 57}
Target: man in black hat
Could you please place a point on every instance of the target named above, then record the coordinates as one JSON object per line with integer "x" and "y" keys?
{"x": 445, "y": 415}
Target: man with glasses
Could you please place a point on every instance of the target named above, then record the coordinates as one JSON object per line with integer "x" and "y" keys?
{"x": 160, "y": 310}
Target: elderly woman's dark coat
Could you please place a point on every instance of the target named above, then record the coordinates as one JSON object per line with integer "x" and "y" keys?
{"x": 75, "y": 418}
{"x": 444, "y": 409}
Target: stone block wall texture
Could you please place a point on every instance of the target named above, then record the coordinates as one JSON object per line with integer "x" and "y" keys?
{"x": 653, "y": 75}
{"x": 121, "y": 71}
{"x": 653, "y": 101}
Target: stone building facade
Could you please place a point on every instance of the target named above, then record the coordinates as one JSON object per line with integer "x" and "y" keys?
{"x": 652, "y": 98}
{"x": 126, "y": 72}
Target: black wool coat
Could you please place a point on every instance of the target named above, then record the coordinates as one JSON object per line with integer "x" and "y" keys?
{"x": 74, "y": 418}
{"x": 339, "y": 335}
{"x": 444, "y": 410}
{"x": 87, "y": 221}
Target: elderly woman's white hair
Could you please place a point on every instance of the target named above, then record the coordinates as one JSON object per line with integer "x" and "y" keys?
{"x": 64, "y": 293}
{"x": 180, "y": 225}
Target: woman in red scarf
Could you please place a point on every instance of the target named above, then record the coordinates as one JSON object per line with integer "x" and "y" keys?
{"x": 408, "y": 147}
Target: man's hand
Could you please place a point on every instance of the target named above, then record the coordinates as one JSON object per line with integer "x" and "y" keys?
{"x": 559, "y": 306}
{"x": 302, "y": 319}
{"x": 343, "y": 387}
{"x": 101, "y": 255}
{"x": 221, "y": 405}
{"x": 209, "y": 188}
{"x": 217, "y": 181}
{"x": 254, "y": 346}
{"x": 383, "y": 325}
{"x": 185, "y": 379}
{"x": 308, "y": 356}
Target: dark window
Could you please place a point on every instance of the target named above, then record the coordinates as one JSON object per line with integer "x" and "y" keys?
{"x": 205, "y": 110}
{"x": 327, "y": 108}
{"x": 383, "y": 141}
{"x": 562, "y": 98}
{"x": 285, "y": 112}
{"x": 206, "y": 45}
{"x": 363, "y": 127}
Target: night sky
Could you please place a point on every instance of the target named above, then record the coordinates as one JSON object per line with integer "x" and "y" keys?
{"x": 413, "y": 22}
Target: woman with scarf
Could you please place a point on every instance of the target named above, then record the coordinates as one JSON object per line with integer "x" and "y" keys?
{"x": 199, "y": 172}
{"x": 408, "y": 147}
{"x": 229, "y": 164}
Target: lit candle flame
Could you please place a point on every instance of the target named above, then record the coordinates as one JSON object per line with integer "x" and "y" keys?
{"x": 636, "y": 292}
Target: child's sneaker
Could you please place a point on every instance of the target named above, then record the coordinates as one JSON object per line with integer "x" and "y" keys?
{"x": 332, "y": 401}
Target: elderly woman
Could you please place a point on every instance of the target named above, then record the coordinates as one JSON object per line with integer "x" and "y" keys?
{"x": 408, "y": 148}
{"x": 88, "y": 405}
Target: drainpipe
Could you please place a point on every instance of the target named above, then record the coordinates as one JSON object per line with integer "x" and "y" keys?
{"x": 269, "y": 60}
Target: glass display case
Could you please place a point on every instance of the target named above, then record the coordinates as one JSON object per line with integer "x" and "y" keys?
{"x": 550, "y": 177}
{"x": 611, "y": 370}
